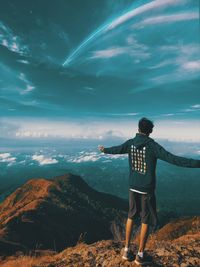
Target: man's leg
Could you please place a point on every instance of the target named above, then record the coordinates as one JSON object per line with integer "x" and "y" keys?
{"x": 129, "y": 228}
{"x": 126, "y": 253}
{"x": 129, "y": 225}
{"x": 140, "y": 257}
{"x": 143, "y": 236}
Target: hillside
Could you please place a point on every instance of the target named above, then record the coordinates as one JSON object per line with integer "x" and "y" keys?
{"x": 64, "y": 223}
{"x": 177, "y": 244}
{"x": 54, "y": 214}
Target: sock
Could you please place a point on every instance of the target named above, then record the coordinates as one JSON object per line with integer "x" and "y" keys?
{"x": 141, "y": 254}
{"x": 126, "y": 248}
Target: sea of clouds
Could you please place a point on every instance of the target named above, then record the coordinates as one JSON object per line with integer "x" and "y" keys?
{"x": 48, "y": 158}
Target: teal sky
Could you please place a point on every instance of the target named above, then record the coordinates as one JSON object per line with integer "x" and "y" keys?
{"x": 91, "y": 69}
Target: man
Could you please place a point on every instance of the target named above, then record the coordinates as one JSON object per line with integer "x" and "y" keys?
{"x": 143, "y": 153}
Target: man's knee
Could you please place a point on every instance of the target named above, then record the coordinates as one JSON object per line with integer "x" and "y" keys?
{"x": 145, "y": 224}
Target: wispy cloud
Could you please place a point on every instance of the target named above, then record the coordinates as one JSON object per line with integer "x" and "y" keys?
{"x": 162, "y": 64}
{"x": 11, "y": 41}
{"x": 110, "y": 52}
{"x": 192, "y": 108}
{"x": 196, "y": 106}
{"x": 187, "y": 110}
{"x": 23, "y": 61}
{"x": 60, "y": 32}
{"x": 144, "y": 8}
{"x": 168, "y": 114}
{"x": 132, "y": 49}
{"x": 165, "y": 78}
{"x": 124, "y": 114}
{"x": 192, "y": 66}
{"x": 119, "y": 21}
{"x": 28, "y": 86}
{"x": 184, "y": 61}
{"x": 168, "y": 19}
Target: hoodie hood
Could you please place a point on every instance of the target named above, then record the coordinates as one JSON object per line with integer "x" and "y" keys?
{"x": 141, "y": 140}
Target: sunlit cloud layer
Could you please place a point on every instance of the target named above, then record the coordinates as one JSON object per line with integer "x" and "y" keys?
{"x": 165, "y": 128}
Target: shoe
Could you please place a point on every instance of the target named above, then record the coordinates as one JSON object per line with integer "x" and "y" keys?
{"x": 143, "y": 260}
{"x": 127, "y": 255}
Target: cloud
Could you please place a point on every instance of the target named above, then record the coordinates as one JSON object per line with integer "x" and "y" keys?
{"x": 144, "y": 8}
{"x": 109, "y": 52}
{"x": 165, "y": 78}
{"x": 16, "y": 88}
{"x": 93, "y": 157}
{"x": 187, "y": 109}
{"x": 90, "y": 129}
{"x": 162, "y": 64}
{"x": 167, "y": 19}
{"x": 8, "y": 128}
{"x": 7, "y": 158}
{"x": 43, "y": 160}
{"x": 192, "y": 108}
{"x": 64, "y": 36}
{"x": 168, "y": 114}
{"x": 11, "y": 41}
{"x": 23, "y": 61}
{"x": 118, "y": 21}
{"x": 132, "y": 49}
{"x": 184, "y": 63}
{"x": 192, "y": 66}
{"x": 196, "y": 106}
{"x": 28, "y": 86}
{"x": 58, "y": 31}
{"x": 113, "y": 128}
{"x": 185, "y": 130}
{"x": 186, "y": 50}
{"x": 31, "y": 134}
{"x": 124, "y": 114}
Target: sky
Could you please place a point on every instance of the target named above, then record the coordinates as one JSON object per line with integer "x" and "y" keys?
{"x": 91, "y": 69}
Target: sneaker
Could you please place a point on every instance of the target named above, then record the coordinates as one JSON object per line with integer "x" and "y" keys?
{"x": 143, "y": 260}
{"x": 127, "y": 255}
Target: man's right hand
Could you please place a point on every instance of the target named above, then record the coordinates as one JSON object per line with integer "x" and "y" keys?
{"x": 101, "y": 148}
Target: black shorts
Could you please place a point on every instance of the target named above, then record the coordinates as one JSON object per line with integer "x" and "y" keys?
{"x": 143, "y": 206}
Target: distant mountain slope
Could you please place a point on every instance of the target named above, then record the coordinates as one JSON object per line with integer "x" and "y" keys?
{"x": 54, "y": 214}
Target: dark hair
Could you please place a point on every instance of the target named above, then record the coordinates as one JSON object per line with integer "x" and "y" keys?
{"x": 145, "y": 126}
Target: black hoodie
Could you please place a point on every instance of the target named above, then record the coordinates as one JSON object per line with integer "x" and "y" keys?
{"x": 143, "y": 153}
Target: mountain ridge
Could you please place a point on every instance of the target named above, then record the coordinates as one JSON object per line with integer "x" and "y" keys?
{"x": 63, "y": 222}
{"x": 57, "y": 211}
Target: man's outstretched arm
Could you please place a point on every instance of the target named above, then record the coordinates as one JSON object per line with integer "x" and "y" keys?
{"x": 163, "y": 154}
{"x": 121, "y": 149}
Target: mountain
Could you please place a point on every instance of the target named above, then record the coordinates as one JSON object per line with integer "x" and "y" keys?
{"x": 176, "y": 244}
{"x": 54, "y": 214}
{"x": 64, "y": 223}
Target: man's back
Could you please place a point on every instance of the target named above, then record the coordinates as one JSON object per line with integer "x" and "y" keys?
{"x": 143, "y": 153}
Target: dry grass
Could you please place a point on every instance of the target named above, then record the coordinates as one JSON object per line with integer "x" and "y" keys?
{"x": 27, "y": 261}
